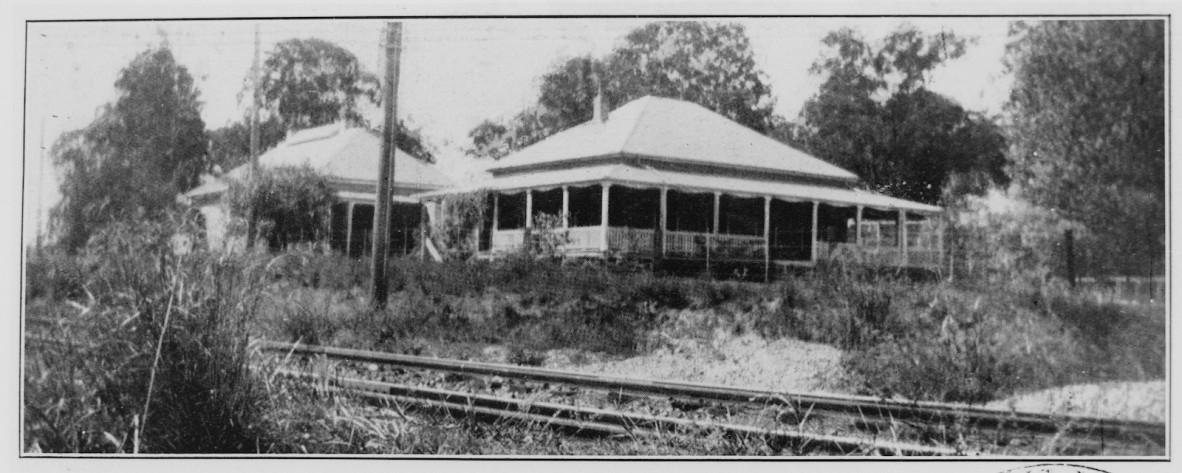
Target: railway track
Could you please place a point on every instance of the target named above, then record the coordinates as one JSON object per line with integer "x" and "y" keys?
{"x": 602, "y": 422}
{"x": 934, "y": 426}
{"x": 808, "y": 422}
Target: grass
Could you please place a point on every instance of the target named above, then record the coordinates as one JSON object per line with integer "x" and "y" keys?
{"x": 161, "y": 363}
{"x": 917, "y": 339}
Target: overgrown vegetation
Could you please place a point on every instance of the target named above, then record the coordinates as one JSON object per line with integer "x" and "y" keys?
{"x": 290, "y": 204}
{"x": 462, "y": 215}
{"x": 149, "y": 349}
{"x": 919, "y": 339}
{"x": 968, "y": 342}
{"x": 922, "y": 339}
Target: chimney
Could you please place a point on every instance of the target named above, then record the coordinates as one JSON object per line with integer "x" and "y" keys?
{"x": 600, "y": 110}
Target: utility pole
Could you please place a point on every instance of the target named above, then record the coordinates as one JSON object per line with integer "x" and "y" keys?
{"x": 379, "y": 287}
{"x": 254, "y": 139}
{"x": 40, "y": 187}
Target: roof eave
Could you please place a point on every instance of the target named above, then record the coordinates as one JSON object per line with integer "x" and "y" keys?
{"x": 497, "y": 171}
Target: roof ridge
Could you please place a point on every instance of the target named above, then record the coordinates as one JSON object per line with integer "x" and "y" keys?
{"x": 648, "y": 100}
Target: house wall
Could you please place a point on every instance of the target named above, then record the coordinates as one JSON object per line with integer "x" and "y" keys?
{"x": 217, "y": 221}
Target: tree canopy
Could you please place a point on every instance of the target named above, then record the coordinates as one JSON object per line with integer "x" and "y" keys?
{"x": 312, "y": 82}
{"x": 1088, "y": 129}
{"x": 139, "y": 153}
{"x": 306, "y": 83}
{"x": 709, "y": 64}
{"x": 875, "y": 116}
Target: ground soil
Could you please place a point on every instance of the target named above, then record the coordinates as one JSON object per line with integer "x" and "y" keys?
{"x": 1144, "y": 400}
{"x": 745, "y": 361}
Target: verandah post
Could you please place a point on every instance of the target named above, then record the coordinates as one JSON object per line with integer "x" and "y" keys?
{"x": 902, "y": 237}
{"x": 529, "y": 219}
{"x": 565, "y": 208}
{"x": 423, "y": 217}
{"x": 710, "y": 238}
{"x": 813, "y": 232}
{"x": 664, "y": 219}
{"x": 349, "y": 229}
{"x": 496, "y": 211}
{"x": 603, "y": 213}
{"x": 858, "y": 227}
{"x": 529, "y": 208}
{"x": 767, "y": 242}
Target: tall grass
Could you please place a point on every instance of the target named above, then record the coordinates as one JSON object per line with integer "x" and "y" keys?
{"x": 153, "y": 359}
{"x": 975, "y": 342}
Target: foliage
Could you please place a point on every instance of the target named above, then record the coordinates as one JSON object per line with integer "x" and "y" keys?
{"x": 875, "y": 117}
{"x": 141, "y": 151}
{"x": 946, "y": 342}
{"x": 1014, "y": 241}
{"x": 312, "y": 82}
{"x": 155, "y": 359}
{"x": 290, "y": 204}
{"x": 53, "y": 274}
{"x": 547, "y": 238}
{"x": 708, "y": 64}
{"x": 454, "y": 230}
{"x": 1088, "y": 133}
{"x": 305, "y": 83}
{"x": 229, "y": 146}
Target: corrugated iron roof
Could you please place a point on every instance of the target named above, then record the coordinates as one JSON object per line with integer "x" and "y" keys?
{"x": 340, "y": 154}
{"x": 646, "y": 177}
{"x": 672, "y": 130}
{"x": 350, "y": 154}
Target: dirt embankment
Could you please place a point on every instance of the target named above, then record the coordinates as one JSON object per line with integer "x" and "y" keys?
{"x": 1145, "y": 400}
{"x": 746, "y": 361}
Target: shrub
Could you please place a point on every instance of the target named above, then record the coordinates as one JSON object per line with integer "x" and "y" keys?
{"x": 291, "y": 205}
{"x": 547, "y": 238}
{"x": 461, "y": 215}
{"x": 54, "y": 275}
{"x": 161, "y": 362}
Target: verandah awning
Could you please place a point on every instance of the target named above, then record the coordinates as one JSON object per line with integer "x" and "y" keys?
{"x": 621, "y": 174}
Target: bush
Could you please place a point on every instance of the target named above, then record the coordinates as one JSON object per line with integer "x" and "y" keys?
{"x": 161, "y": 357}
{"x": 462, "y": 215}
{"x": 291, "y": 205}
{"x": 54, "y": 275}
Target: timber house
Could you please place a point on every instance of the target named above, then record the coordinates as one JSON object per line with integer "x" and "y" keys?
{"x": 348, "y": 158}
{"x": 664, "y": 179}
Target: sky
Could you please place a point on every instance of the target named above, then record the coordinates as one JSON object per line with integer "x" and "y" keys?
{"x": 454, "y": 73}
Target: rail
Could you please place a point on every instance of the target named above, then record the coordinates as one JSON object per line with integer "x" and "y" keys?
{"x": 854, "y": 406}
{"x": 600, "y": 421}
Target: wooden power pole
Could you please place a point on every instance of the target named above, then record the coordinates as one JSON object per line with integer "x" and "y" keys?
{"x": 254, "y": 139}
{"x": 379, "y": 287}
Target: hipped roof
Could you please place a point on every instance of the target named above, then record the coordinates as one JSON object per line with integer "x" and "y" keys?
{"x": 350, "y": 154}
{"x": 675, "y": 131}
{"x": 341, "y": 154}
{"x": 646, "y": 177}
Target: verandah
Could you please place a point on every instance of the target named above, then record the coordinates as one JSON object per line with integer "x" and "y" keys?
{"x": 607, "y": 219}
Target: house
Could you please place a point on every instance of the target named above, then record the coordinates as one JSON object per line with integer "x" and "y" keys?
{"x": 664, "y": 179}
{"x": 348, "y": 158}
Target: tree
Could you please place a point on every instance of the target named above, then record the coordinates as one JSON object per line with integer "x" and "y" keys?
{"x": 709, "y": 64}
{"x": 875, "y": 116}
{"x": 312, "y": 82}
{"x": 306, "y": 83}
{"x": 229, "y": 146}
{"x": 141, "y": 151}
{"x": 1088, "y": 129}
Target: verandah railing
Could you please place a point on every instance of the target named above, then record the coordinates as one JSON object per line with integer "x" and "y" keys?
{"x": 638, "y": 242}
